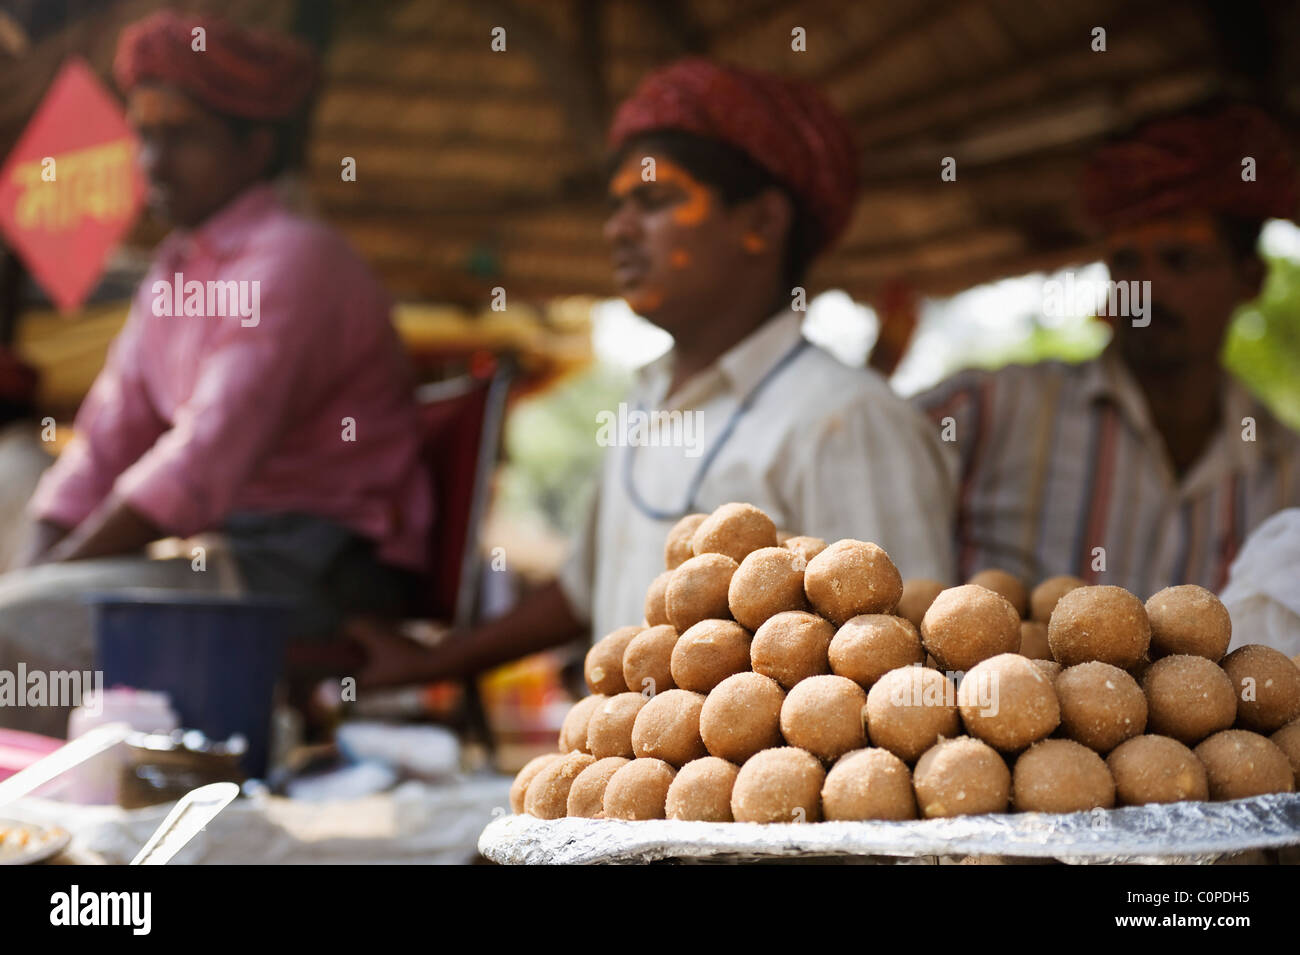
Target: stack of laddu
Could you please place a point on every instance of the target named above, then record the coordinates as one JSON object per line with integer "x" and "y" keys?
{"x": 777, "y": 678}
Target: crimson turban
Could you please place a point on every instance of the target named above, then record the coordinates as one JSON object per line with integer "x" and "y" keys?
{"x": 251, "y": 75}
{"x": 1193, "y": 163}
{"x": 786, "y": 127}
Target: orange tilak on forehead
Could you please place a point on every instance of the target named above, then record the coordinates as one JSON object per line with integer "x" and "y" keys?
{"x": 699, "y": 201}
{"x": 1193, "y": 227}
{"x": 159, "y": 106}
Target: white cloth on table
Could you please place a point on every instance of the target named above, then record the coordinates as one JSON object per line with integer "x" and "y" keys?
{"x": 415, "y": 823}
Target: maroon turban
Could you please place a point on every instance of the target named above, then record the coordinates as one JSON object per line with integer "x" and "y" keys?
{"x": 1193, "y": 163}
{"x": 251, "y": 75}
{"x": 18, "y": 380}
{"x": 786, "y": 127}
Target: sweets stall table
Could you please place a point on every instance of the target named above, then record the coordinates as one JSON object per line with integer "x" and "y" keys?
{"x": 414, "y": 823}
{"x": 1187, "y": 833}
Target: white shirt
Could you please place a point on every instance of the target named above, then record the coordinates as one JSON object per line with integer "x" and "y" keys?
{"x": 824, "y": 449}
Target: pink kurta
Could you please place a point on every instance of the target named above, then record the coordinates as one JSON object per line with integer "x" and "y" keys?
{"x": 304, "y": 406}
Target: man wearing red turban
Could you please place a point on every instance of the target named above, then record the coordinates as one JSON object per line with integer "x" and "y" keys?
{"x": 1148, "y": 466}
{"x": 258, "y": 388}
{"x": 725, "y": 185}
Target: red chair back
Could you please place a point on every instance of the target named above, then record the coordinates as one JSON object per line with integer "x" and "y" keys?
{"x": 462, "y": 422}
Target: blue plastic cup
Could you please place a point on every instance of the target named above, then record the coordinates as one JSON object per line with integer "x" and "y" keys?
{"x": 217, "y": 658}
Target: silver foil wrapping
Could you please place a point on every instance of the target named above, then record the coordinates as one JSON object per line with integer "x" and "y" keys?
{"x": 1186, "y": 832}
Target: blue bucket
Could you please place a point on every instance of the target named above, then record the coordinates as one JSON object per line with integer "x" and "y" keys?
{"x": 217, "y": 658}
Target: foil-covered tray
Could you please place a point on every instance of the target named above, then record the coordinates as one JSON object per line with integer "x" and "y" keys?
{"x": 1185, "y": 832}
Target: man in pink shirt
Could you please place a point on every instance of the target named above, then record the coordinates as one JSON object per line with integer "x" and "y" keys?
{"x": 257, "y": 389}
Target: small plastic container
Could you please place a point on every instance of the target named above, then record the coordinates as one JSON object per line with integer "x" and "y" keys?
{"x": 96, "y": 780}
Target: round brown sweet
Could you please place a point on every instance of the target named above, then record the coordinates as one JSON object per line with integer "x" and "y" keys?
{"x": 1267, "y": 687}
{"x": 960, "y": 777}
{"x": 805, "y": 547}
{"x": 1188, "y": 619}
{"x": 698, "y": 591}
{"x": 708, "y": 653}
{"x": 677, "y": 546}
{"x": 769, "y": 581}
{"x": 656, "y": 610}
{"x": 871, "y": 644}
{"x": 909, "y": 709}
{"x": 741, "y": 716}
{"x": 1188, "y": 698}
{"x": 1050, "y": 667}
{"x": 1004, "y": 583}
{"x": 519, "y": 788}
{"x": 1156, "y": 769}
{"x": 1287, "y": 739}
{"x": 647, "y": 660}
{"x": 792, "y": 646}
{"x": 587, "y": 794}
{"x": 918, "y": 594}
{"x": 1008, "y": 702}
{"x": 868, "y": 784}
{"x": 851, "y": 577}
{"x": 1033, "y": 640}
{"x": 668, "y": 728}
{"x": 736, "y": 530}
{"x": 638, "y": 790}
{"x": 547, "y": 796}
{"x": 573, "y": 731}
{"x": 968, "y": 624}
{"x": 824, "y": 715}
{"x": 1044, "y": 597}
{"x": 1240, "y": 763}
{"x": 1060, "y": 775}
{"x": 1099, "y": 623}
{"x": 603, "y": 667}
{"x": 701, "y": 790}
{"x": 609, "y": 733}
{"x": 1101, "y": 705}
{"x": 779, "y": 785}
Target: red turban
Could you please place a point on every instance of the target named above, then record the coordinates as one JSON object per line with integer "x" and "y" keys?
{"x": 786, "y": 127}
{"x": 1190, "y": 163}
{"x": 251, "y": 75}
{"x": 18, "y": 380}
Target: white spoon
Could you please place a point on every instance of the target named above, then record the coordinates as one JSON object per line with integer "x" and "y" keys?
{"x": 195, "y": 810}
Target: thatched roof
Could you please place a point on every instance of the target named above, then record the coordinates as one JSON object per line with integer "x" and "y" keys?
{"x": 479, "y": 168}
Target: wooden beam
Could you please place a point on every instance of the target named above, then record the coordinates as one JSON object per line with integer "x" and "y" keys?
{"x": 566, "y": 77}
{"x": 678, "y": 24}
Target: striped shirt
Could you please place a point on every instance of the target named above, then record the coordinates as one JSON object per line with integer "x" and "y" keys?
{"x": 1060, "y": 471}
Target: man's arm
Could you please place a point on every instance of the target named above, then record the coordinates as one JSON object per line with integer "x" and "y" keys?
{"x": 542, "y": 620}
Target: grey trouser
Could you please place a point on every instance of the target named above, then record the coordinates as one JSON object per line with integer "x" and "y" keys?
{"x": 46, "y": 623}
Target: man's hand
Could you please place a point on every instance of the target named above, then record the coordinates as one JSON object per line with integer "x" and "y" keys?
{"x": 111, "y": 529}
{"x": 395, "y": 660}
